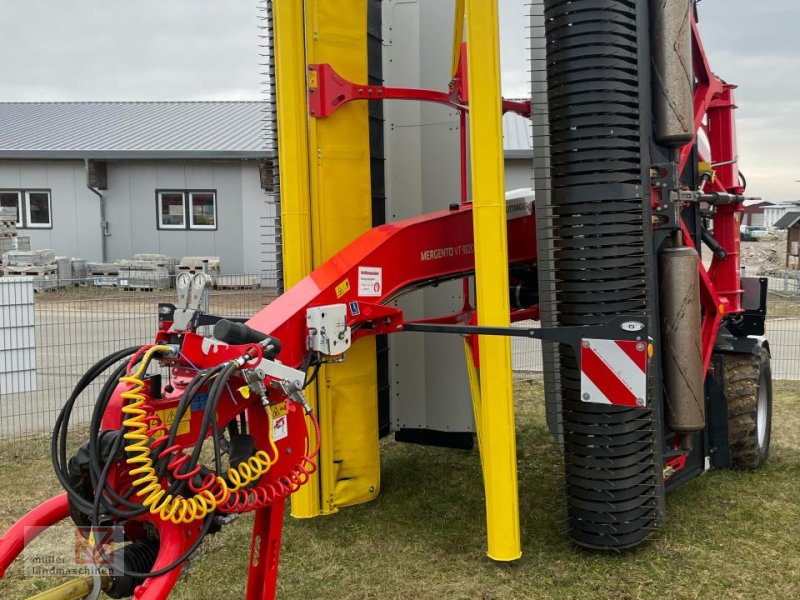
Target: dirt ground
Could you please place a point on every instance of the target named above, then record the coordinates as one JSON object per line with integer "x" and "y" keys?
{"x": 764, "y": 255}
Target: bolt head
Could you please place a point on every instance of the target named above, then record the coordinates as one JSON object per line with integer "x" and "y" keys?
{"x": 641, "y": 402}
{"x": 640, "y": 347}
{"x": 587, "y": 396}
{"x": 586, "y": 344}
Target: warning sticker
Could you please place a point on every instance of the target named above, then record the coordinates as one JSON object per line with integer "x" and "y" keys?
{"x": 280, "y": 420}
{"x": 370, "y": 281}
{"x": 278, "y": 410}
{"x": 342, "y": 288}
{"x": 167, "y": 417}
{"x": 280, "y": 428}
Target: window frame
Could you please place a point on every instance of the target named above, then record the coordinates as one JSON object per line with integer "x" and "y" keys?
{"x": 24, "y": 210}
{"x": 192, "y": 225}
{"x": 160, "y": 213}
{"x": 28, "y": 223}
{"x": 188, "y": 220}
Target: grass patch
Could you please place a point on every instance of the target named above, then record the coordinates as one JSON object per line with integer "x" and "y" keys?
{"x": 730, "y": 534}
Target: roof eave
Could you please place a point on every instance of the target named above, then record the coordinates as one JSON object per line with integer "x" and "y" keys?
{"x": 518, "y": 154}
{"x": 134, "y": 154}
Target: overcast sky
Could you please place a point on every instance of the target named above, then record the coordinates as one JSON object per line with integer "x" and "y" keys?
{"x": 207, "y": 50}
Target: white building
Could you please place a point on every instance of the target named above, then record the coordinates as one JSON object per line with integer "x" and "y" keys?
{"x": 106, "y": 180}
{"x": 773, "y": 213}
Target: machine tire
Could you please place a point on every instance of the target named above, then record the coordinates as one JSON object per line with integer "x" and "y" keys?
{"x": 748, "y": 389}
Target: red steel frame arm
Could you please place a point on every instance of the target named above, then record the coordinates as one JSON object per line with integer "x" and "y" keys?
{"x": 19, "y": 535}
{"x": 410, "y": 254}
{"x": 714, "y": 108}
{"x": 328, "y": 91}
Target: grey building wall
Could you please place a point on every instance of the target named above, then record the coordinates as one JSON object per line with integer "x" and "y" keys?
{"x": 244, "y": 212}
{"x": 519, "y": 173}
{"x": 75, "y": 211}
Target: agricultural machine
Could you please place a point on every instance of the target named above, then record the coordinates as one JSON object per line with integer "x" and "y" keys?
{"x": 661, "y": 372}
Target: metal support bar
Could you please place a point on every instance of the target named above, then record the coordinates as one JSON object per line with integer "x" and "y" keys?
{"x": 619, "y": 328}
{"x": 496, "y": 415}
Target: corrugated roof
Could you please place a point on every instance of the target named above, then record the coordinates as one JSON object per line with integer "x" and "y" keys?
{"x": 787, "y": 221}
{"x": 168, "y": 130}
{"x": 108, "y": 130}
{"x": 517, "y": 136}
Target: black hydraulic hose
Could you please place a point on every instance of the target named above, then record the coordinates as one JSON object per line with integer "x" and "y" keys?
{"x": 58, "y": 441}
{"x": 99, "y": 475}
{"x": 198, "y": 382}
{"x": 209, "y": 415}
{"x": 95, "y": 458}
{"x": 164, "y": 570}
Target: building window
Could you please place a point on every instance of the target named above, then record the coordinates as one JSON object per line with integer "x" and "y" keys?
{"x": 187, "y": 209}
{"x": 34, "y": 209}
{"x": 37, "y": 209}
{"x": 202, "y": 210}
{"x": 171, "y": 210}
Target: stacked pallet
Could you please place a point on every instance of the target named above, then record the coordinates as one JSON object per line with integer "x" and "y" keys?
{"x": 38, "y": 264}
{"x": 194, "y": 264}
{"x": 9, "y": 239}
{"x": 103, "y": 274}
{"x": 147, "y": 272}
{"x": 238, "y": 282}
{"x": 8, "y": 222}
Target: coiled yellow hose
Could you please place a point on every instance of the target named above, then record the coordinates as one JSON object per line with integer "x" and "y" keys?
{"x": 177, "y": 509}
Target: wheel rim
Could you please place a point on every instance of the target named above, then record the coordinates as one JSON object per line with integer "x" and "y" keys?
{"x": 761, "y": 412}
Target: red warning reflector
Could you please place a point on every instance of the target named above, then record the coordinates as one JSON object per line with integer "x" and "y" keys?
{"x": 614, "y": 372}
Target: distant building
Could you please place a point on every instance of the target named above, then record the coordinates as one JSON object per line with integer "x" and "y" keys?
{"x": 791, "y": 222}
{"x": 773, "y": 213}
{"x": 754, "y": 214}
{"x": 175, "y": 178}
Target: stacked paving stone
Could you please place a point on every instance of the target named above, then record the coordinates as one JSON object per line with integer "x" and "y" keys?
{"x": 147, "y": 272}
{"x": 9, "y": 238}
{"x": 103, "y": 274}
{"x": 79, "y": 270}
{"x": 39, "y": 264}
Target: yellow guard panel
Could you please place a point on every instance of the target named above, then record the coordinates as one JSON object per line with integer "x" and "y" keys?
{"x": 336, "y": 33}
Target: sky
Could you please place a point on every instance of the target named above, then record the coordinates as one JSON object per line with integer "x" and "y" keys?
{"x": 54, "y": 50}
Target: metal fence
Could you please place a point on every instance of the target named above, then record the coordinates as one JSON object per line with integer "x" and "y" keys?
{"x": 783, "y": 329}
{"x": 49, "y": 339}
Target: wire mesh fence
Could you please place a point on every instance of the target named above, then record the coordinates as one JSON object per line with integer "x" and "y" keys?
{"x": 48, "y": 340}
{"x": 783, "y": 330}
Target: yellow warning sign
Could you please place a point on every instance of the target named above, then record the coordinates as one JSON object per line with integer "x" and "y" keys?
{"x": 312, "y": 80}
{"x": 278, "y": 410}
{"x": 342, "y": 288}
{"x": 167, "y": 417}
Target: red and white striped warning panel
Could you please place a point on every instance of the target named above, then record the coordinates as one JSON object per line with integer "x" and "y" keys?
{"x": 614, "y": 372}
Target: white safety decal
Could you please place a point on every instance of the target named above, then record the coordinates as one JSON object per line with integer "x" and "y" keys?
{"x": 280, "y": 428}
{"x": 370, "y": 281}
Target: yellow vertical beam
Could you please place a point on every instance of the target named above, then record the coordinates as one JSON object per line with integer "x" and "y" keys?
{"x": 496, "y": 416}
{"x": 458, "y": 36}
{"x": 290, "y": 80}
